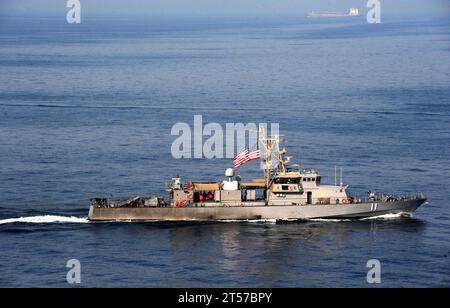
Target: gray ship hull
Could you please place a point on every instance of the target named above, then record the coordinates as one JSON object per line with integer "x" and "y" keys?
{"x": 256, "y": 212}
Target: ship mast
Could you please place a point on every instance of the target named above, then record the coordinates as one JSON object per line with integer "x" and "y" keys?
{"x": 267, "y": 153}
{"x": 274, "y": 162}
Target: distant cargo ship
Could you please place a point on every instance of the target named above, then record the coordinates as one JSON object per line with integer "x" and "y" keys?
{"x": 352, "y": 12}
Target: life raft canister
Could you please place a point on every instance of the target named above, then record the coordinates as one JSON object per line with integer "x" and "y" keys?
{"x": 180, "y": 203}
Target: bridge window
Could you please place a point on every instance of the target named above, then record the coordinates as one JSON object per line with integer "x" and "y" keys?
{"x": 286, "y": 180}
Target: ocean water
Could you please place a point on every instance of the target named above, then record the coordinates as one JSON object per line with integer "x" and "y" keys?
{"x": 86, "y": 110}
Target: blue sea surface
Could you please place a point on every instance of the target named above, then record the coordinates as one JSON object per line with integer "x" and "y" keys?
{"x": 87, "y": 110}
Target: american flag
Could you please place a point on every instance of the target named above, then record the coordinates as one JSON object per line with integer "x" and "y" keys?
{"x": 245, "y": 156}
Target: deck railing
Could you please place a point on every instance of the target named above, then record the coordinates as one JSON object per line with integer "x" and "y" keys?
{"x": 388, "y": 198}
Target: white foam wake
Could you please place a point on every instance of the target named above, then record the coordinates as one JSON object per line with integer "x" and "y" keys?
{"x": 249, "y": 220}
{"x": 381, "y": 217}
{"x": 328, "y": 219}
{"x": 44, "y": 219}
{"x": 389, "y": 216}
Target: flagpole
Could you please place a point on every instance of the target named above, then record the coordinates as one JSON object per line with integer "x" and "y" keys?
{"x": 265, "y": 141}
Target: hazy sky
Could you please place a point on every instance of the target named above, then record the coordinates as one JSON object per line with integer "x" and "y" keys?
{"x": 223, "y": 7}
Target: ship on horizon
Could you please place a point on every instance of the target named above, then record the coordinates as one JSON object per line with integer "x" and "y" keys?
{"x": 351, "y": 13}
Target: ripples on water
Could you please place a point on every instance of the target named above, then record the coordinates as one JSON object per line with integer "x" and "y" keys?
{"x": 87, "y": 112}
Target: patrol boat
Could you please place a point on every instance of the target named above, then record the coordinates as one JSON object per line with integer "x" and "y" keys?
{"x": 284, "y": 193}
